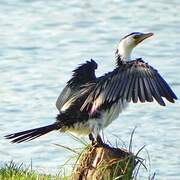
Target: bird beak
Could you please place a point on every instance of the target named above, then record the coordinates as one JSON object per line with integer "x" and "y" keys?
{"x": 142, "y": 37}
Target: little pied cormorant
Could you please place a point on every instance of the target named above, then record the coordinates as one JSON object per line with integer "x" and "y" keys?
{"x": 88, "y": 103}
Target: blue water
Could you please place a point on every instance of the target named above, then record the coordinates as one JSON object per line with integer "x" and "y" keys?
{"x": 41, "y": 42}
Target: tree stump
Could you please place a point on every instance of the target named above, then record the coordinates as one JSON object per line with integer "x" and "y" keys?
{"x": 104, "y": 163}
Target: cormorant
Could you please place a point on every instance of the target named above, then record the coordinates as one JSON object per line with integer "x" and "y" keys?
{"x": 88, "y": 104}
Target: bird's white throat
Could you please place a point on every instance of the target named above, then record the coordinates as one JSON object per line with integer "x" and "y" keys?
{"x": 124, "y": 51}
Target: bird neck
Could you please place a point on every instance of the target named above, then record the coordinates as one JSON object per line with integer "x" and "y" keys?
{"x": 120, "y": 58}
{"x": 123, "y": 53}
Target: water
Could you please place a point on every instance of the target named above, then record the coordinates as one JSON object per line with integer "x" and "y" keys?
{"x": 41, "y": 42}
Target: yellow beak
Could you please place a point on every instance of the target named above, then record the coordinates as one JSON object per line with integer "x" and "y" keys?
{"x": 142, "y": 37}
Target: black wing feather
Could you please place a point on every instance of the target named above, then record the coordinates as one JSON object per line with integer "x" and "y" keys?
{"x": 119, "y": 84}
{"x": 131, "y": 87}
{"x": 127, "y": 87}
{"x": 116, "y": 89}
{"x": 111, "y": 86}
{"x": 168, "y": 93}
{"x": 83, "y": 74}
{"x": 124, "y": 80}
{"x": 131, "y": 81}
{"x": 141, "y": 90}
{"x": 147, "y": 91}
{"x": 157, "y": 95}
{"x": 135, "y": 91}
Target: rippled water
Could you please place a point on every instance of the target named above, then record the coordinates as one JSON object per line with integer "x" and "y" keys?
{"x": 41, "y": 42}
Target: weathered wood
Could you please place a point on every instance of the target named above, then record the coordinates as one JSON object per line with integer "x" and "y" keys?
{"x": 104, "y": 163}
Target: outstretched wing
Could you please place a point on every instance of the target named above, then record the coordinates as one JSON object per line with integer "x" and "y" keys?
{"x": 83, "y": 74}
{"x": 131, "y": 81}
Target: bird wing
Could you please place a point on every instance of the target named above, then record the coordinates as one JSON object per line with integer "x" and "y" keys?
{"x": 63, "y": 97}
{"x": 131, "y": 81}
{"x": 83, "y": 74}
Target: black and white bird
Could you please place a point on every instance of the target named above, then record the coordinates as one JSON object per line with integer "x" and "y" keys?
{"x": 89, "y": 103}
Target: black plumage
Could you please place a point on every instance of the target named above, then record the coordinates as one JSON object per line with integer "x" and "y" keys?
{"x": 31, "y": 134}
{"x": 84, "y": 73}
{"x": 132, "y": 81}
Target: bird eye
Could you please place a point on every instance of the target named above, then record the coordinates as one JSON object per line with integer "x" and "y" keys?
{"x": 135, "y": 37}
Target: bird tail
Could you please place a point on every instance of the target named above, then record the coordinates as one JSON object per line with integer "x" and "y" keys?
{"x": 31, "y": 134}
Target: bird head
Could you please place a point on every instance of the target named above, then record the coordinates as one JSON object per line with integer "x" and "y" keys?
{"x": 129, "y": 42}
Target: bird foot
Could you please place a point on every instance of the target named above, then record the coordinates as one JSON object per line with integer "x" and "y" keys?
{"x": 98, "y": 142}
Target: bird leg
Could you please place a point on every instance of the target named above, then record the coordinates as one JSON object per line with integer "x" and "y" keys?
{"x": 99, "y": 140}
{"x": 91, "y": 138}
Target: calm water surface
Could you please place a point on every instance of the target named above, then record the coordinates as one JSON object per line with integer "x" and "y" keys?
{"x": 41, "y": 42}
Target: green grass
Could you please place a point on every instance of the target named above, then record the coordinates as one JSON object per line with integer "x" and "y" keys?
{"x": 13, "y": 171}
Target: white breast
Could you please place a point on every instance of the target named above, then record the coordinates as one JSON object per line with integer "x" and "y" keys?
{"x": 97, "y": 124}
